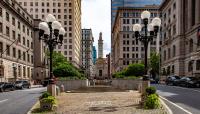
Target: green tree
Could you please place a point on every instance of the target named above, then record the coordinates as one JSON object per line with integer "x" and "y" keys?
{"x": 63, "y": 68}
{"x": 155, "y": 63}
{"x": 135, "y": 70}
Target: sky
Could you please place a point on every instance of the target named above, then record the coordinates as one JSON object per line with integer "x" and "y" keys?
{"x": 96, "y": 14}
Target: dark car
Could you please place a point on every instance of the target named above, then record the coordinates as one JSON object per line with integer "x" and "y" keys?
{"x": 22, "y": 84}
{"x": 189, "y": 82}
{"x": 172, "y": 80}
{"x": 4, "y": 86}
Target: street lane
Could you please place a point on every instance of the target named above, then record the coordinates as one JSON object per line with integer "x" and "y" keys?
{"x": 19, "y": 101}
{"x": 185, "y": 98}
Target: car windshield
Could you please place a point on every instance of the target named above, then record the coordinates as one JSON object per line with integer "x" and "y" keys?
{"x": 177, "y": 77}
{"x": 17, "y": 82}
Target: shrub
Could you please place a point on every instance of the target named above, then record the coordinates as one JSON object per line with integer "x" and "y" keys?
{"x": 135, "y": 70}
{"x": 150, "y": 90}
{"x": 152, "y": 102}
{"x": 45, "y": 95}
{"x": 49, "y": 99}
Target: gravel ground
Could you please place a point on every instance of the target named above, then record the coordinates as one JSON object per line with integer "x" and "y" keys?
{"x": 102, "y": 103}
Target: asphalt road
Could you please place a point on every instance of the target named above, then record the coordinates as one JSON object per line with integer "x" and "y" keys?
{"x": 180, "y": 100}
{"x": 19, "y": 101}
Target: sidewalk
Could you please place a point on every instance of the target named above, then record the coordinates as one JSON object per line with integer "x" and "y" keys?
{"x": 102, "y": 103}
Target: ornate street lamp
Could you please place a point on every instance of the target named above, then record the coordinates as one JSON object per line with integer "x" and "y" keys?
{"x": 150, "y": 32}
{"x": 51, "y": 32}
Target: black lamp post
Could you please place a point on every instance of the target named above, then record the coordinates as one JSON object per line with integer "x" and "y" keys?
{"x": 150, "y": 32}
{"x": 51, "y": 32}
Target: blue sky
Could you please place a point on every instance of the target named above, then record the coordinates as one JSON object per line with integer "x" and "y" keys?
{"x": 96, "y": 14}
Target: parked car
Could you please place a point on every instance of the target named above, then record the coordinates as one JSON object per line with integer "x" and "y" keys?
{"x": 172, "y": 80}
{"x": 4, "y": 86}
{"x": 189, "y": 82}
{"x": 22, "y": 84}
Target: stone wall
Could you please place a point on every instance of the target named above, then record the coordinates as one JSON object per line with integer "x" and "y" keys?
{"x": 72, "y": 84}
{"x": 126, "y": 84}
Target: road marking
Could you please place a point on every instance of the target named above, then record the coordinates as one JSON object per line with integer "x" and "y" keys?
{"x": 186, "y": 88}
{"x": 176, "y": 105}
{"x": 3, "y": 100}
{"x": 168, "y": 109}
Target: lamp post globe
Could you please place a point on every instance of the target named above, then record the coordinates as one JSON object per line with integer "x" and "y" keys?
{"x": 144, "y": 37}
{"x": 51, "y": 32}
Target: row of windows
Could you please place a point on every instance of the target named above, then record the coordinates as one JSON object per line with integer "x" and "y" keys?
{"x": 137, "y": 14}
{"x": 48, "y": 10}
{"x": 169, "y": 52}
{"x": 23, "y": 41}
{"x": 169, "y": 11}
{"x": 58, "y": 17}
{"x": 19, "y": 26}
{"x": 22, "y": 55}
{"x": 65, "y": 46}
{"x": 18, "y": 10}
{"x": 45, "y": 4}
{"x": 27, "y": 71}
{"x": 126, "y": 62}
{"x": 133, "y": 55}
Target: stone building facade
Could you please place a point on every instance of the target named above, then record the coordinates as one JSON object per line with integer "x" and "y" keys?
{"x": 16, "y": 42}
{"x": 181, "y": 39}
{"x": 68, "y": 13}
{"x": 124, "y": 46}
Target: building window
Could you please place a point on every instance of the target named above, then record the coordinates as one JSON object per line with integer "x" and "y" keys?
{"x": 19, "y": 38}
{"x": 7, "y": 31}
{"x": 28, "y": 57}
{"x": 1, "y": 27}
{"x": 13, "y": 34}
{"x": 14, "y": 52}
{"x": 19, "y": 54}
{"x": 193, "y": 15}
{"x": 24, "y": 41}
{"x": 19, "y": 25}
{"x": 169, "y": 53}
{"x": 19, "y": 70}
{"x": 70, "y": 46}
{"x": 1, "y": 13}
{"x": 7, "y": 16}
{"x": 13, "y": 21}
{"x": 174, "y": 50}
{"x": 7, "y": 49}
{"x": 42, "y": 3}
{"x": 28, "y": 45}
{"x": 190, "y": 66}
{"x": 165, "y": 55}
{"x": 191, "y": 45}
{"x": 24, "y": 56}
{"x": 198, "y": 65}
{"x": 1, "y": 47}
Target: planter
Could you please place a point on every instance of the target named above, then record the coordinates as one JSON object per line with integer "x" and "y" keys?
{"x": 46, "y": 105}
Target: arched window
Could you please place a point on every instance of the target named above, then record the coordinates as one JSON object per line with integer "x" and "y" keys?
{"x": 191, "y": 45}
{"x": 174, "y": 50}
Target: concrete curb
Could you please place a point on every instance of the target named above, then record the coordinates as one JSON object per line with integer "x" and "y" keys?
{"x": 34, "y": 106}
{"x": 168, "y": 110}
{"x": 36, "y": 86}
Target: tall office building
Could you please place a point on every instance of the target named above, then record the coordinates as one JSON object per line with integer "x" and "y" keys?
{"x": 115, "y": 4}
{"x": 68, "y": 13}
{"x": 100, "y": 46}
{"x": 181, "y": 37}
{"x": 124, "y": 46}
{"x": 16, "y": 42}
{"x": 94, "y": 54}
{"x": 86, "y": 50}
